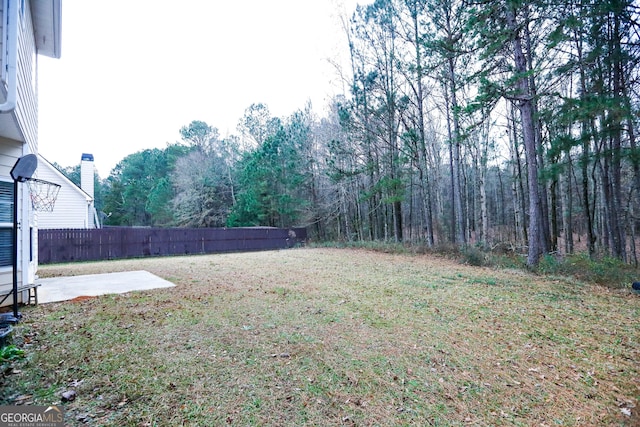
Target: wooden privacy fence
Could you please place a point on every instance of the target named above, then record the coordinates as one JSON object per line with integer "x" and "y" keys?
{"x": 68, "y": 245}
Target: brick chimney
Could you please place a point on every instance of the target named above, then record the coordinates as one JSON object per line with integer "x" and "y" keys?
{"x": 87, "y": 174}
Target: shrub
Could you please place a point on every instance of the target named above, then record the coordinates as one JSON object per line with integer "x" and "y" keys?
{"x": 473, "y": 255}
{"x": 605, "y": 271}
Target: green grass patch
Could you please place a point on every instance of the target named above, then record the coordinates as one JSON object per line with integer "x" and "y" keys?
{"x": 10, "y": 353}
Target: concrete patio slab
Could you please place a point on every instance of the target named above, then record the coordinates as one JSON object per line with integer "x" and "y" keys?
{"x": 58, "y": 289}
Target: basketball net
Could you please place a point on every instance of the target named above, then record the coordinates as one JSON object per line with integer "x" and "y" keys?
{"x": 43, "y": 194}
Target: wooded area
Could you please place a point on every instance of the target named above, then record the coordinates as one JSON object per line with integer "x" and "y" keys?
{"x": 495, "y": 123}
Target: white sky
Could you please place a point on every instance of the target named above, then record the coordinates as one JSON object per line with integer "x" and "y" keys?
{"x": 133, "y": 72}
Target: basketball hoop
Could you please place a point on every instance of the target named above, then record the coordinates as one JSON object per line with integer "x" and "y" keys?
{"x": 43, "y": 194}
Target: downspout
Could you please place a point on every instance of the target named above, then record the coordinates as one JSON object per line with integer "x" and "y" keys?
{"x": 11, "y": 22}
{"x": 14, "y": 254}
{"x": 88, "y": 217}
{"x": 96, "y": 218}
{"x": 11, "y": 66}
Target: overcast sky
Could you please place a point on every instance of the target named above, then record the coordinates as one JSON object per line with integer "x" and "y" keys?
{"x": 133, "y": 72}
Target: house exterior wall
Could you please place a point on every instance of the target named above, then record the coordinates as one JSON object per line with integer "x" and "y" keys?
{"x": 72, "y": 205}
{"x": 27, "y": 102}
{"x": 18, "y": 137}
{"x": 22, "y": 123}
{"x": 87, "y": 174}
{"x": 10, "y": 152}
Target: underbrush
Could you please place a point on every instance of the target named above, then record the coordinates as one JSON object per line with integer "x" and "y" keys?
{"x": 605, "y": 271}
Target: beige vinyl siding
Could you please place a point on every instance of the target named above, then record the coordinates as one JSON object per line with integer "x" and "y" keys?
{"x": 27, "y": 106}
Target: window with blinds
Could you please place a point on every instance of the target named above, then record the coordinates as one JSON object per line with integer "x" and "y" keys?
{"x": 6, "y": 223}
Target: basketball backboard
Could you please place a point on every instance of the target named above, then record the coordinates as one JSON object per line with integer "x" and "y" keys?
{"x": 24, "y": 167}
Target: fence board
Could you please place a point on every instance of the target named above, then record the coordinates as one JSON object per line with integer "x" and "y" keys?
{"x": 67, "y": 245}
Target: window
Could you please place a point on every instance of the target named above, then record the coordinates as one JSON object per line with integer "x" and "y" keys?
{"x": 6, "y": 224}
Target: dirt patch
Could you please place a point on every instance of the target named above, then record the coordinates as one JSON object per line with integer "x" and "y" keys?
{"x": 81, "y": 298}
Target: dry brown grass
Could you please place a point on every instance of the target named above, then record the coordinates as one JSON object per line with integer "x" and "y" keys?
{"x": 334, "y": 337}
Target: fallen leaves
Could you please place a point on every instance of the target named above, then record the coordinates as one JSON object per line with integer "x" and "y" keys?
{"x": 329, "y": 337}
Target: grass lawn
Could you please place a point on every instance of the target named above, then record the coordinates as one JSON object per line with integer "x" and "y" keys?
{"x": 333, "y": 337}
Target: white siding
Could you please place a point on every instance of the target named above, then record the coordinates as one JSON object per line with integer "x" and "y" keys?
{"x": 87, "y": 177}
{"x": 22, "y": 123}
{"x": 10, "y": 152}
{"x": 27, "y": 103}
{"x": 19, "y": 131}
{"x": 72, "y": 206}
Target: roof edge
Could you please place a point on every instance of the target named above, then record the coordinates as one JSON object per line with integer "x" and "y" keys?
{"x": 64, "y": 177}
{"x": 47, "y": 22}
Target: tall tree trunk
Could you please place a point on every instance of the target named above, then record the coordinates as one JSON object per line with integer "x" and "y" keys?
{"x": 616, "y": 123}
{"x": 482, "y": 183}
{"x": 484, "y": 216}
{"x": 452, "y": 173}
{"x": 546, "y": 240}
{"x": 503, "y": 215}
{"x": 525, "y": 105}
{"x": 422, "y": 146}
{"x": 520, "y": 206}
{"x": 589, "y": 208}
{"x": 457, "y": 231}
{"x": 566, "y": 190}
{"x": 458, "y": 213}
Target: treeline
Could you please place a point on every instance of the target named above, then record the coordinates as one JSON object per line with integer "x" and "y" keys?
{"x": 493, "y": 123}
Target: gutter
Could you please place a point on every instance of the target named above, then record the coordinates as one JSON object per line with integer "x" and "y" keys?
{"x": 12, "y": 55}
